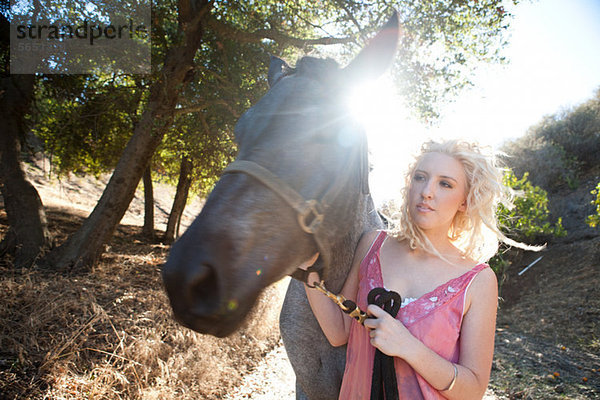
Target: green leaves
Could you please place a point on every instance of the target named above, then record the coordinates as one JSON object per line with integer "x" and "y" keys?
{"x": 442, "y": 42}
{"x": 85, "y": 121}
{"x": 528, "y": 219}
{"x": 594, "y": 219}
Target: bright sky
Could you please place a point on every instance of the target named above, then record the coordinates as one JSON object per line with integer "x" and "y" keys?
{"x": 554, "y": 64}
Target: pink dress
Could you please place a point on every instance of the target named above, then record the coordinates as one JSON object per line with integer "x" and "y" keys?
{"x": 434, "y": 318}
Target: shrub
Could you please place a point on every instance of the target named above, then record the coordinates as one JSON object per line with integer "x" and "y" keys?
{"x": 560, "y": 148}
{"x": 578, "y": 132}
{"x": 550, "y": 162}
{"x": 594, "y": 219}
{"x": 528, "y": 221}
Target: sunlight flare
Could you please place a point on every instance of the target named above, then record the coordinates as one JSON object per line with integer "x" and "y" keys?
{"x": 393, "y": 136}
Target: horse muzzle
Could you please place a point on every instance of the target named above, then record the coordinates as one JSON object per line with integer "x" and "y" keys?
{"x": 199, "y": 298}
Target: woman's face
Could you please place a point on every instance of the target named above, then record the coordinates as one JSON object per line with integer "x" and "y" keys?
{"x": 437, "y": 191}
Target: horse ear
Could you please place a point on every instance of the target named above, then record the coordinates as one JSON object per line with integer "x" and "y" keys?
{"x": 277, "y": 68}
{"x": 377, "y": 55}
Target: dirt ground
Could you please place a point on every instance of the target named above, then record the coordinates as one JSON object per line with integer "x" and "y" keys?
{"x": 548, "y": 338}
{"x": 273, "y": 379}
{"x": 108, "y": 333}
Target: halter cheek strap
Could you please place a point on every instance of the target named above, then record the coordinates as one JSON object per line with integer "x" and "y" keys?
{"x": 304, "y": 208}
{"x": 310, "y": 213}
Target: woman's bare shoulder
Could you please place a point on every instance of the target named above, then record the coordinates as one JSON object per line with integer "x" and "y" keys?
{"x": 485, "y": 285}
{"x": 362, "y": 248}
{"x": 365, "y": 242}
{"x": 486, "y": 277}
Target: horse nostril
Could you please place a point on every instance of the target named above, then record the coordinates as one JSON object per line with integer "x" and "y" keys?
{"x": 202, "y": 292}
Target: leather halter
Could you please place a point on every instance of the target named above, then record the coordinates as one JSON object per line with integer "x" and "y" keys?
{"x": 310, "y": 213}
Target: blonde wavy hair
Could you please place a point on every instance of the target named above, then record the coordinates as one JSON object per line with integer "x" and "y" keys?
{"x": 475, "y": 231}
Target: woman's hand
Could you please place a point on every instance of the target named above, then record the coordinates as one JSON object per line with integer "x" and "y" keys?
{"x": 334, "y": 323}
{"x": 312, "y": 277}
{"x": 388, "y": 334}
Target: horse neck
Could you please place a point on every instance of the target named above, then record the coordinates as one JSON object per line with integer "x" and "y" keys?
{"x": 343, "y": 248}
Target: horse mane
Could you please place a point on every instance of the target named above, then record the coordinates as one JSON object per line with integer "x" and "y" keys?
{"x": 321, "y": 69}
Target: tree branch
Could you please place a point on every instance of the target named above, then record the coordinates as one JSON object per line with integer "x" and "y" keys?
{"x": 204, "y": 106}
{"x": 240, "y": 36}
{"x": 342, "y": 4}
{"x": 190, "y": 109}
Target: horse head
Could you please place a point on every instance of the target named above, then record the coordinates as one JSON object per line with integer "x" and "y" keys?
{"x": 297, "y": 187}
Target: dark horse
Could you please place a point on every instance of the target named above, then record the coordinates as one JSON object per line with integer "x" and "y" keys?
{"x": 298, "y": 142}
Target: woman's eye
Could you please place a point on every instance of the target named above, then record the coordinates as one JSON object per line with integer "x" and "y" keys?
{"x": 446, "y": 184}
{"x": 418, "y": 178}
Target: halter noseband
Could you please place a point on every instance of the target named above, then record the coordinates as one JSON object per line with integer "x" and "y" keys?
{"x": 310, "y": 213}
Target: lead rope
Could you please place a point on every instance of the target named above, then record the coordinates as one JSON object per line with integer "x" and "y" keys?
{"x": 383, "y": 381}
{"x": 347, "y": 306}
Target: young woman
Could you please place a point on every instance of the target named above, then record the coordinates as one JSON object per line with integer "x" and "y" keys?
{"x": 442, "y": 339}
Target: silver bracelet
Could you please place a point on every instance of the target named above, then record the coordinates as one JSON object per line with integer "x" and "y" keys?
{"x": 451, "y": 385}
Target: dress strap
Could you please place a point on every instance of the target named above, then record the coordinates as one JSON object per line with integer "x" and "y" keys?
{"x": 374, "y": 248}
{"x": 381, "y": 236}
{"x": 479, "y": 267}
{"x": 472, "y": 274}
{"x": 377, "y": 243}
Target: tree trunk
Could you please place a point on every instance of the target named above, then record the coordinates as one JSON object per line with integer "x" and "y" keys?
{"x": 84, "y": 247}
{"x": 148, "y": 229}
{"x": 183, "y": 188}
{"x": 28, "y": 234}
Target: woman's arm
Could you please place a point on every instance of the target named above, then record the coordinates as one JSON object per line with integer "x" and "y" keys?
{"x": 476, "y": 350}
{"x": 333, "y": 321}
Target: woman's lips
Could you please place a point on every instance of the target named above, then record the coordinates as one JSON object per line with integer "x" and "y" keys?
{"x": 424, "y": 208}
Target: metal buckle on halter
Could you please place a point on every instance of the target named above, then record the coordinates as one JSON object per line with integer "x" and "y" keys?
{"x": 314, "y": 208}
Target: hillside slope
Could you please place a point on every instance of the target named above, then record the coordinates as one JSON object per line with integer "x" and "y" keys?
{"x": 80, "y": 194}
{"x": 548, "y": 339}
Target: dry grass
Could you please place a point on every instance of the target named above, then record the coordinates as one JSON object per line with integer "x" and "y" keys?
{"x": 108, "y": 334}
